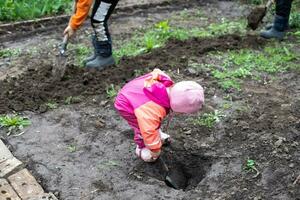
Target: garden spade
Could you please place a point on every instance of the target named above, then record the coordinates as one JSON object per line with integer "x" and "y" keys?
{"x": 59, "y": 67}
{"x": 257, "y": 14}
{"x": 175, "y": 177}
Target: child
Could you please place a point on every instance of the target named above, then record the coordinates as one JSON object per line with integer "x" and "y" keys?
{"x": 101, "y": 40}
{"x": 146, "y": 100}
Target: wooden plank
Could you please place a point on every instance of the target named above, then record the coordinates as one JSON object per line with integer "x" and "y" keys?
{"x": 9, "y": 166}
{"x": 25, "y": 184}
{"x": 7, "y": 192}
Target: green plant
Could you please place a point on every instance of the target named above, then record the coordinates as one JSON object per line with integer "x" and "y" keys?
{"x": 14, "y": 122}
{"x": 248, "y": 63}
{"x": 4, "y": 53}
{"x": 160, "y": 33}
{"x": 111, "y": 91}
{"x": 28, "y": 9}
{"x": 208, "y": 119}
{"x": 69, "y": 100}
{"x": 52, "y": 105}
{"x": 81, "y": 52}
{"x": 295, "y": 20}
{"x": 251, "y": 167}
{"x": 108, "y": 164}
{"x": 72, "y": 148}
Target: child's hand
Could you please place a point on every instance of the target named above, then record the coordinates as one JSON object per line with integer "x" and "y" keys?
{"x": 148, "y": 155}
{"x": 69, "y": 31}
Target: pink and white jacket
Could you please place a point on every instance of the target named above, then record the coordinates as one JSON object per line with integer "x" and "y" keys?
{"x": 147, "y": 98}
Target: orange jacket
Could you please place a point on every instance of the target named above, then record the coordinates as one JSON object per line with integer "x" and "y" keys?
{"x": 81, "y": 12}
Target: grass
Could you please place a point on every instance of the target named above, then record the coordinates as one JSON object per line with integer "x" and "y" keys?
{"x": 157, "y": 36}
{"x": 14, "y": 122}
{"x": 247, "y": 63}
{"x": 81, "y": 52}
{"x": 52, "y": 105}
{"x": 208, "y": 119}
{"x": 295, "y": 20}
{"x": 111, "y": 91}
{"x": 11, "y": 10}
{"x": 5, "y": 53}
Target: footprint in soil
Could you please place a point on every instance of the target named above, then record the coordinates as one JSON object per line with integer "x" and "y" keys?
{"x": 185, "y": 170}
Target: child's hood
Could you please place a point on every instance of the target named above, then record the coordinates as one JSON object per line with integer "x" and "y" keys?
{"x": 155, "y": 87}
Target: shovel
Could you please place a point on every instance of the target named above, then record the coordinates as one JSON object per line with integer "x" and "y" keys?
{"x": 175, "y": 177}
{"x": 59, "y": 67}
{"x": 257, "y": 14}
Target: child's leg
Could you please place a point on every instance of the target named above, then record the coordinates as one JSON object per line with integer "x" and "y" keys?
{"x": 102, "y": 9}
{"x": 132, "y": 121}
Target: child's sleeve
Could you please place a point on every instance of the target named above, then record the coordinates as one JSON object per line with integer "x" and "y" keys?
{"x": 82, "y": 10}
{"x": 149, "y": 117}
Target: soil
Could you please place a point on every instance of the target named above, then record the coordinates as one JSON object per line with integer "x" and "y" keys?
{"x": 256, "y": 16}
{"x": 84, "y": 150}
{"x": 36, "y": 87}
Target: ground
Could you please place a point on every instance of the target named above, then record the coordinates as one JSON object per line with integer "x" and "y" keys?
{"x": 80, "y": 148}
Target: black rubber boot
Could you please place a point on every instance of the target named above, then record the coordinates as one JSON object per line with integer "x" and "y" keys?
{"x": 277, "y": 30}
{"x": 104, "y": 58}
{"x": 269, "y": 26}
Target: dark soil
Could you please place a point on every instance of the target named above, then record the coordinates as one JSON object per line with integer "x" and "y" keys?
{"x": 256, "y": 16}
{"x": 263, "y": 124}
{"x": 37, "y": 86}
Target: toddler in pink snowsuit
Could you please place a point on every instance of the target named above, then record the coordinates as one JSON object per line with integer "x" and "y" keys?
{"x": 145, "y": 101}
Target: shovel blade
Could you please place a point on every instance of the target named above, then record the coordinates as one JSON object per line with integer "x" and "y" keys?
{"x": 176, "y": 178}
{"x": 59, "y": 68}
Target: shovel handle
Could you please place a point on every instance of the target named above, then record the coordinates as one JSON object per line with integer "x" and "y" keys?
{"x": 64, "y": 44}
{"x": 164, "y": 164}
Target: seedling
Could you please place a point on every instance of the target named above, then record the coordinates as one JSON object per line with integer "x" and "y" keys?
{"x": 4, "y": 53}
{"x": 14, "y": 122}
{"x": 111, "y": 91}
{"x": 251, "y": 167}
{"x": 51, "y": 105}
{"x": 71, "y": 148}
{"x": 208, "y": 119}
{"x": 69, "y": 100}
{"x": 108, "y": 164}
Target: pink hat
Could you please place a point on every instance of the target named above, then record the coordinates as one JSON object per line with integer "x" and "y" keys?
{"x": 186, "y": 97}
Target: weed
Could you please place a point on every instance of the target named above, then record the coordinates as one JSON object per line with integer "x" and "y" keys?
{"x": 111, "y": 91}
{"x": 72, "y": 99}
{"x": 226, "y": 106}
{"x": 52, "y": 105}
{"x": 240, "y": 64}
{"x": 157, "y": 35}
{"x": 14, "y": 123}
{"x": 251, "y": 167}
{"x": 71, "y": 148}
{"x": 295, "y": 20}
{"x": 81, "y": 52}
{"x": 5, "y": 53}
{"x": 29, "y": 9}
{"x": 108, "y": 164}
{"x": 208, "y": 119}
